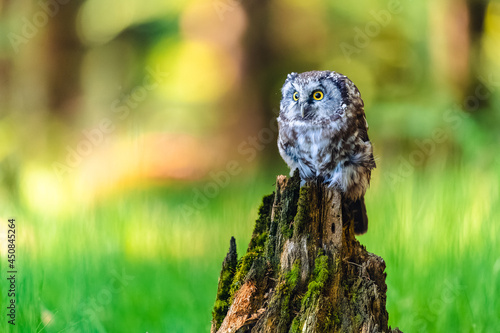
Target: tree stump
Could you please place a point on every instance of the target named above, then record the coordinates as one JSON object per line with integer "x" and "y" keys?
{"x": 304, "y": 270}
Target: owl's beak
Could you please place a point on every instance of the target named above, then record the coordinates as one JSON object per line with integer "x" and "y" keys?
{"x": 302, "y": 110}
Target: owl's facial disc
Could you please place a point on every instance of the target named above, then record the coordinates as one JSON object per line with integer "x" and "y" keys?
{"x": 306, "y": 100}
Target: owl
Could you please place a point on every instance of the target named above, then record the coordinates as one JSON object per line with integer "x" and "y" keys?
{"x": 323, "y": 134}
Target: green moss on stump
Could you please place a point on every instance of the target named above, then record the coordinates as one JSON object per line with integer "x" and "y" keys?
{"x": 303, "y": 215}
{"x": 262, "y": 223}
{"x": 292, "y": 277}
{"x": 256, "y": 246}
{"x": 320, "y": 276}
{"x": 289, "y": 199}
{"x": 244, "y": 265}
{"x": 219, "y": 312}
{"x": 223, "y": 298}
{"x": 295, "y": 328}
{"x": 286, "y": 288}
{"x": 315, "y": 287}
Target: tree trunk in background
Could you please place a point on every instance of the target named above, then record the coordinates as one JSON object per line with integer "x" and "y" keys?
{"x": 304, "y": 270}
{"x": 259, "y": 67}
{"x": 45, "y": 57}
{"x": 476, "y": 13}
{"x": 65, "y": 58}
{"x": 457, "y": 28}
{"x": 257, "y": 52}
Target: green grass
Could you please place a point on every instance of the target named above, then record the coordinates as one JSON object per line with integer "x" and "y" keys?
{"x": 68, "y": 263}
{"x": 437, "y": 230}
{"x": 438, "y": 233}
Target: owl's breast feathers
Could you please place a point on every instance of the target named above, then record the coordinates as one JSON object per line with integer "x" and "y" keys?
{"x": 340, "y": 154}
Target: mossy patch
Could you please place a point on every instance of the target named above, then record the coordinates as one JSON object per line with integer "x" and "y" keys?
{"x": 357, "y": 320}
{"x": 261, "y": 229}
{"x": 320, "y": 277}
{"x": 331, "y": 320}
{"x": 303, "y": 215}
{"x": 244, "y": 265}
{"x": 223, "y": 298}
{"x": 295, "y": 328}
{"x": 292, "y": 277}
{"x": 285, "y": 290}
{"x": 256, "y": 246}
{"x": 315, "y": 287}
{"x": 290, "y": 197}
{"x": 219, "y": 312}
{"x": 259, "y": 242}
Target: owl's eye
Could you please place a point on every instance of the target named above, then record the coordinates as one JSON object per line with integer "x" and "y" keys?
{"x": 295, "y": 96}
{"x": 318, "y": 95}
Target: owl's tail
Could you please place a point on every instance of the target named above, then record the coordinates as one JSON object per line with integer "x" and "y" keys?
{"x": 356, "y": 211}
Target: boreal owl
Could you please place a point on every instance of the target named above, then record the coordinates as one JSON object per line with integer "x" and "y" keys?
{"x": 323, "y": 133}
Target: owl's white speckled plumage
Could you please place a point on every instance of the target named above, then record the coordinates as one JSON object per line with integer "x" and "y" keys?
{"x": 323, "y": 133}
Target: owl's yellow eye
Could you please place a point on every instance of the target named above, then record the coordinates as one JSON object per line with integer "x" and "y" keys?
{"x": 295, "y": 96}
{"x": 318, "y": 95}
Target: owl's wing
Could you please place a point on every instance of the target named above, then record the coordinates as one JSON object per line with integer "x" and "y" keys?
{"x": 363, "y": 127}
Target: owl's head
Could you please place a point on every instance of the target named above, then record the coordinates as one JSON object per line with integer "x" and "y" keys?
{"x": 319, "y": 97}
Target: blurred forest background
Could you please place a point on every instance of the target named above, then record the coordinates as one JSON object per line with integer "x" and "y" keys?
{"x": 136, "y": 137}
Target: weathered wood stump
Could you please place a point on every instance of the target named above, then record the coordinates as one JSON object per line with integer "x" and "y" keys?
{"x": 304, "y": 270}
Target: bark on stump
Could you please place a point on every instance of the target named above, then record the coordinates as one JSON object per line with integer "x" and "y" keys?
{"x": 304, "y": 270}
